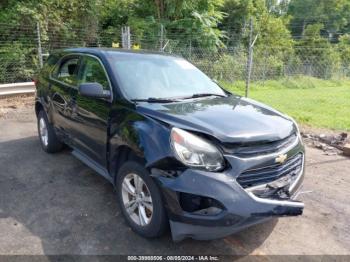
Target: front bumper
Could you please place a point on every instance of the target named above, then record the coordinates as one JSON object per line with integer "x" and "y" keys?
{"x": 241, "y": 207}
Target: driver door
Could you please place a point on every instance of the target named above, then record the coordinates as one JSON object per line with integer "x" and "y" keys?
{"x": 90, "y": 115}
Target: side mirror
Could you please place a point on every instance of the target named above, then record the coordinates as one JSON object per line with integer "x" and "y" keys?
{"x": 93, "y": 90}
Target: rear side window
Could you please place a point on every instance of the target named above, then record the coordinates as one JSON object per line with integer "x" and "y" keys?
{"x": 93, "y": 72}
{"x": 67, "y": 71}
{"x": 52, "y": 60}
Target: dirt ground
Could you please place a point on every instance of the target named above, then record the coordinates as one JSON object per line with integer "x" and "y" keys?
{"x": 11, "y": 105}
{"x": 54, "y": 204}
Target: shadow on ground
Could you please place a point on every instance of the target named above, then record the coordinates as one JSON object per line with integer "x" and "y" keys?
{"x": 54, "y": 204}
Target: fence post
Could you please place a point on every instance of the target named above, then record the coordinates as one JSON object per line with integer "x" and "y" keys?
{"x": 40, "y": 51}
{"x": 161, "y": 42}
{"x": 264, "y": 68}
{"x": 126, "y": 41}
{"x": 123, "y": 37}
{"x": 128, "y": 37}
{"x": 250, "y": 57}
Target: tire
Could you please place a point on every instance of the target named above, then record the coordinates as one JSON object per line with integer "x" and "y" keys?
{"x": 47, "y": 136}
{"x": 151, "y": 224}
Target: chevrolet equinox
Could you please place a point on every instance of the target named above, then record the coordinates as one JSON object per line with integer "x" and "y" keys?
{"x": 179, "y": 149}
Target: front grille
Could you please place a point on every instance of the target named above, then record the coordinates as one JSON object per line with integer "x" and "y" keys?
{"x": 267, "y": 174}
{"x": 259, "y": 148}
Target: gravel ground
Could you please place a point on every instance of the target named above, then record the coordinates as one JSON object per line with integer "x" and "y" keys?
{"x": 54, "y": 204}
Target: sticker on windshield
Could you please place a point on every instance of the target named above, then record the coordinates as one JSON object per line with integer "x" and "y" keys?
{"x": 184, "y": 64}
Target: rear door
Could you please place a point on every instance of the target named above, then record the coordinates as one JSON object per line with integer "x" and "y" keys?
{"x": 62, "y": 81}
{"x": 91, "y": 114}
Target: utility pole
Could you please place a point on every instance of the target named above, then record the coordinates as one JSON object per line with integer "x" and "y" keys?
{"x": 40, "y": 51}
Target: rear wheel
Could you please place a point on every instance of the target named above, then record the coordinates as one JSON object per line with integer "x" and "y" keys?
{"x": 140, "y": 200}
{"x": 48, "y": 138}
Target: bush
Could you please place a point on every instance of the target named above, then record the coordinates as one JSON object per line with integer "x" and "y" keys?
{"x": 230, "y": 66}
{"x": 17, "y": 63}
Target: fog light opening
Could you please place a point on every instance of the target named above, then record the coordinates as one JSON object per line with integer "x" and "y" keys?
{"x": 200, "y": 205}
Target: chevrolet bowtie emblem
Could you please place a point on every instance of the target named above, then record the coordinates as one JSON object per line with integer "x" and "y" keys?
{"x": 281, "y": 158}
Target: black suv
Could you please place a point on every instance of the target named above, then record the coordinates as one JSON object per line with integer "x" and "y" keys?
{"x": 179, "y": 149}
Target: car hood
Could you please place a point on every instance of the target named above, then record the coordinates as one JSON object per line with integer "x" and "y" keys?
{"x": 231, "y": 119}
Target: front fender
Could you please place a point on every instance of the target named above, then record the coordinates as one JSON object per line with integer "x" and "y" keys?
{"x": 146, "y": 137}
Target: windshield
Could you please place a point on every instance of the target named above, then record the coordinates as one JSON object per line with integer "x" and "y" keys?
{"x": 144, "y": 76}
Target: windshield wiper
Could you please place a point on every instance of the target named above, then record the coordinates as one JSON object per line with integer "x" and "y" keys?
{"x": 177, "y": 99}
{"x": 156, "y": 100}
{"x": 203, "y": 95}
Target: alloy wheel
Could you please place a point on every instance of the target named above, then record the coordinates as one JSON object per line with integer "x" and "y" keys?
{"x": 137, "y": 199}
{"x": 44, "y": 136}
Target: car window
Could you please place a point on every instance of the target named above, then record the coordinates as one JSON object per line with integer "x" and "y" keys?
{"x": 68, "y": 71}
{"x": 50, "y": 64}
{"x": 144, "y": 76}
{"x": 93, "y": 72}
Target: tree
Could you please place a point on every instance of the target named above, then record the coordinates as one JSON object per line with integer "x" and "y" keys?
{"x": 239, "y": 11}
{"x": 318, "y": 55}
{"x": 344, "y": 51}
{"x": 184, "y": 21}
{"x": 334, "y": 15}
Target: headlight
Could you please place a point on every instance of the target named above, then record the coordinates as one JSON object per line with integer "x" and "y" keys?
{"x": 194, "y": 151}
{"x": 298, "y": 130}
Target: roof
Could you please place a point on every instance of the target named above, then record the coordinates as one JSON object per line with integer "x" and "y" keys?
{"x": 104, "y": 51}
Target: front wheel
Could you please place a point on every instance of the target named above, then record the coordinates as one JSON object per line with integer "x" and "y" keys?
{"x": 140, "y": 200}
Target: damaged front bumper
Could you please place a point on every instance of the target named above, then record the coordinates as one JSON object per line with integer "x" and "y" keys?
{"x": 205, "y": 205}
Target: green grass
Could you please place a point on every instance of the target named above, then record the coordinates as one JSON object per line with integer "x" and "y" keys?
{"x": 310, "y": 101}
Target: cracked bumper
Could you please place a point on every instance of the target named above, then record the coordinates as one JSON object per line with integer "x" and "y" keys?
{"x": 242, "y": 208}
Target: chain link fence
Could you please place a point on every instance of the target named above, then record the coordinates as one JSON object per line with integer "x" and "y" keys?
{"x": 23, "y": 48}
